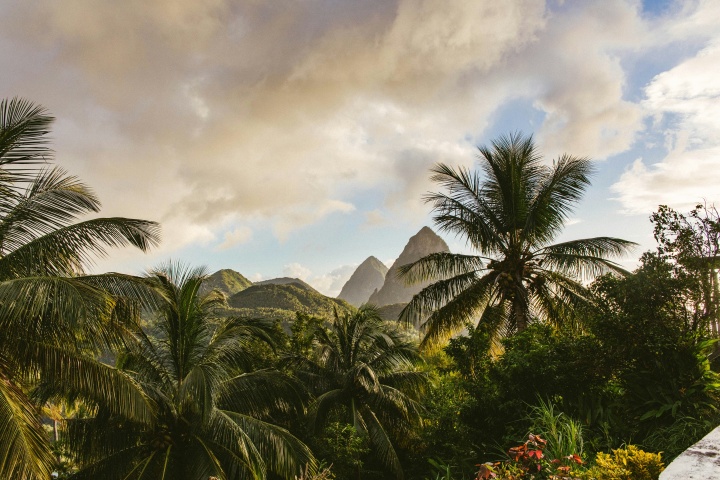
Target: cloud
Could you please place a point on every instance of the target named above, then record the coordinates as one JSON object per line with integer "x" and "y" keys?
{"x": 208, "y": 115}
{"x": 331, "y": 283}
{"x": 296, "y": 216}
{"x": 295, "y": 270}
{"x": 688, "y": 98}
{"x": 238, "y": 236}
{"x": 328, "y": 284}
{"x": 575, "y": 77}
{"x": 374, "y": 218}
{"x": 217, "y": 112}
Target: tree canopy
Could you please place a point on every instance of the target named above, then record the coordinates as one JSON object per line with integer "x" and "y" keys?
{"x": 509, "y": 212}
{"x": 50, "y": 311}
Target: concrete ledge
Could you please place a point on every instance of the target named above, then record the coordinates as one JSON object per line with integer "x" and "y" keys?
{"x": 699, "y": 462}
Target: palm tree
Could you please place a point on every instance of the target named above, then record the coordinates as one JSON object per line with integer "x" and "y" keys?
{"x": 46, "y": 300}
{"x": 509, "y": 213}
{"x": 211, "y": 408}
{"x": 364, "y": 368}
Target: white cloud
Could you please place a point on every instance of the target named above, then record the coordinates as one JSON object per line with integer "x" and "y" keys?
{"x": 331, "y": 283}
{"x": 688, "y": 97}
{"x": 295, "y": 270}
{"x": 238, "y": 236}
{"x": 203, "y": 115}
{"x": 328, "y": 284}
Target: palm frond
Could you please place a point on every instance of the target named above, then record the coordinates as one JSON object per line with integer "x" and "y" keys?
{"x": 436, "y": 296}
{"x": 260, "y": 392}
{"x": 53, "y": 200}
{"x": 74, "y": 376}
{"x": 585, "y": 258}
{"x": 556, "y": 196}
{"x": 24, "y": 449}
{"x": 23, "y": 133}
{"x": 465, "y": 211}
{"x": 66, "y": 250}
{"x": 381, "y": 443}
{"x": 283, "y": 454}
{"x": 438, "y": 266}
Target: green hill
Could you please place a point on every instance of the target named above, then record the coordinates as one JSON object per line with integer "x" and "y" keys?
{"x": 227, "y": 281}
{"x": 285, "y": 281}
{"x": 282, "y": 301}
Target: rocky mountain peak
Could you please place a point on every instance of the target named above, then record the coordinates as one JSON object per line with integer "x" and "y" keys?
{"x": 366, "y": 279}
{"x": 394, "y": 289}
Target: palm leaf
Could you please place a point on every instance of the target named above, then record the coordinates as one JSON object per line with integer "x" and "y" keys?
{"x": 24, "y": 449}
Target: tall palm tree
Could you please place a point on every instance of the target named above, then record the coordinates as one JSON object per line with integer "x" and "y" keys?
{"x": 212, "y": 409}
{"x": 50, "y": 311}
{"x": 509, "y": 213}
{"x": 366, "y": 368}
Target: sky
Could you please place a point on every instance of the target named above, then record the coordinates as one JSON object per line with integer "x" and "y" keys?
{"x": 295, "y": 138}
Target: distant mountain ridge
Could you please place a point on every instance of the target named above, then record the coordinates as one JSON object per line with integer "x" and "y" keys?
{"x": 394, "y": 290}
{"x": 283, "y": 300}
{"x": 367, "y": 278}
{"x": 372, "y": 282}
{"x": 285, "y": 281}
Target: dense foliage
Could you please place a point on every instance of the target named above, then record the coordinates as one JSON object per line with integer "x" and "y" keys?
{"x": 54, "y": 317}
{"x": 362, "y": 373}
{"x": 509, "y": 212}
{"x": 212, "y": 411}
{"x": 157, "y": 377}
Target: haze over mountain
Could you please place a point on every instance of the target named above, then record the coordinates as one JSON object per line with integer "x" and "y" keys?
{"x": 367, "y": 278}
{"x": 394, "y": 290}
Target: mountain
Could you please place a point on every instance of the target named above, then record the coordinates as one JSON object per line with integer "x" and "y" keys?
{"x": 285, "y": 281}
{"x": 394, "y": 289}
{"x": 367, "y": 278}
{"x": 391, "y": 313}
{"x": 283, "y": 300}
{"x": 227, "y": 281}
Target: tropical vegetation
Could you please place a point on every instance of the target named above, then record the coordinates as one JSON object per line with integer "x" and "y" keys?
{"x": 509, "y": 212}
{"x": 213, "y": 410}
{"x": 362, "y": 372}
{"x": 53, "y": 316}
{"x": 549, "y": 360}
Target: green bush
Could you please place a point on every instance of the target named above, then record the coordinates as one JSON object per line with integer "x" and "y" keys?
{"x": 629, "y": 463}
{"x": 563, "y": 434}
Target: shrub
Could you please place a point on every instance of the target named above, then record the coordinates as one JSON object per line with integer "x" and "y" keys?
{"x": 528, "y": 462}
{"x": 629, "y": 463}
{"x": 564, "y": 435}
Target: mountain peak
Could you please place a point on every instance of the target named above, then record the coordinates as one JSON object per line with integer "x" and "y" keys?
{"x": 394, "y": 290}
{"x": 366, "y": 279}
{"x": 227, "y": 281}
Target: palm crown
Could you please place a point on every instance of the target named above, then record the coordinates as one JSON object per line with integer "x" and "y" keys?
{"x": 366, "y": 368}
{"x": 48, "y": 307}
{"x": 211, "y": 408}
{"x": 509, "y": 213}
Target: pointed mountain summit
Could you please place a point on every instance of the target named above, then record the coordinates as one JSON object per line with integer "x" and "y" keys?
{"x": 394, "y": 289}
{"x": 367, "y": 278}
